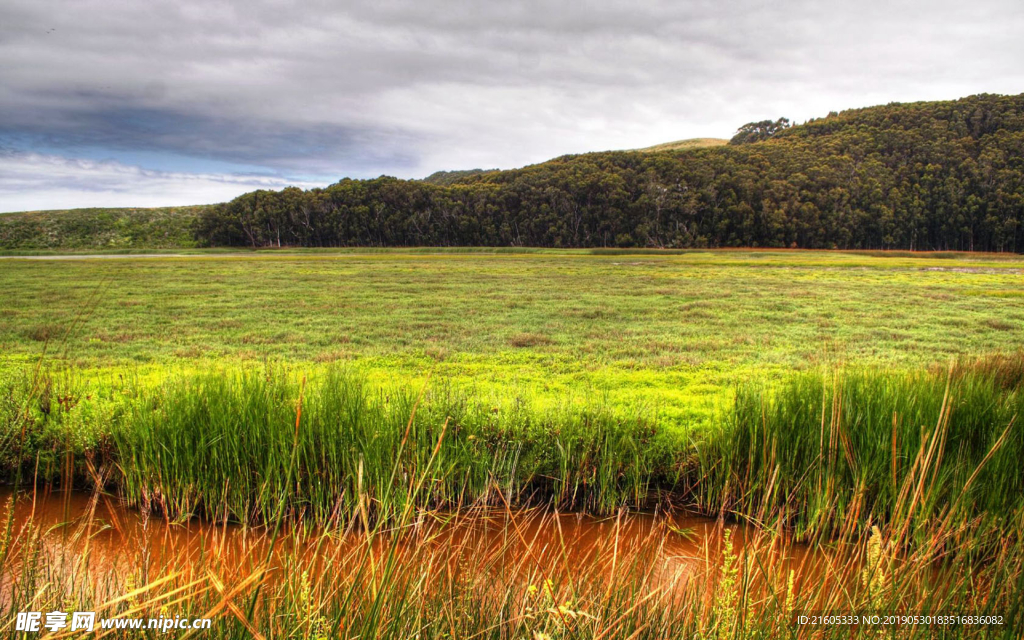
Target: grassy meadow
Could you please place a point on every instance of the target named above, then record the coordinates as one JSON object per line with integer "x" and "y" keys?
{"x": 860, "y": 408}
{"x": 674, "y": 332}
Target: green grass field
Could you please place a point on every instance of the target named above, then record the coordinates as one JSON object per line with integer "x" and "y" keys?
{"x": 675, "y": 331}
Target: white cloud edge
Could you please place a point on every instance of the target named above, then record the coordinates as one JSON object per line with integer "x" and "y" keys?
{"x": 34, "y": 181}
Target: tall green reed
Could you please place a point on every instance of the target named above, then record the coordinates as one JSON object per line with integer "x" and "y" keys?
{"x": 220, "y": 443}
{"x": 877, "y": 445}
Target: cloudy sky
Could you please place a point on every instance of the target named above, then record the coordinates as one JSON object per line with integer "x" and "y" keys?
{"x": 147, "y": 103}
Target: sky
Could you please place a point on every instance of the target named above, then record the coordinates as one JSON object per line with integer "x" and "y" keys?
{"x": 152, "y": 103}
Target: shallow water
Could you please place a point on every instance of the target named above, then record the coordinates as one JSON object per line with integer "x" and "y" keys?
{"x": 97, "y": 536}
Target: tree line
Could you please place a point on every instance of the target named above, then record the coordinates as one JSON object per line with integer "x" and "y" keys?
{"x": 921, "y": 176}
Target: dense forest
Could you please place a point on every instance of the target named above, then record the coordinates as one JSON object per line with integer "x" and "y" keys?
{"x": 922, "y": 176}
{"x": 934, "y": 175}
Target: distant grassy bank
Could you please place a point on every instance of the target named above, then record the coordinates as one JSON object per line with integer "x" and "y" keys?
{"x": 106, "y": 229}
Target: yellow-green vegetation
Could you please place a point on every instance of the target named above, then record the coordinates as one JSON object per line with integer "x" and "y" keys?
{"x": 689, "y": 143}
{"x": 673, "y": 332}
{"x": 117, "y": 229}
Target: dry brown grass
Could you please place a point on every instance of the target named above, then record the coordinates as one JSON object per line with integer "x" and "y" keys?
{"x": 523, "y": 340}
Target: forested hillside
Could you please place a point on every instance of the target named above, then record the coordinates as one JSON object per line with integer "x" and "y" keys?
{"x": 934, "y": 175}
{"x": 923, "y": 176}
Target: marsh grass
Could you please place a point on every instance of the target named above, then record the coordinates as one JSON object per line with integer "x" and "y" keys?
{"x": 827, "y": 447}
{"x": 221, "y": 443}
{"x": 819, "y": 448}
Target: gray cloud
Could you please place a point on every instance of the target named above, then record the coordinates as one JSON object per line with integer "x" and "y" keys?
{"x": 315, "y": 147}
{"x": 326, "y": 89}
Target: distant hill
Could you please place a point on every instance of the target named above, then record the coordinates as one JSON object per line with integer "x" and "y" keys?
{"x": 921, "y": 176}
{"x": 689, "y": 143}
{"x": 446, "y": 178}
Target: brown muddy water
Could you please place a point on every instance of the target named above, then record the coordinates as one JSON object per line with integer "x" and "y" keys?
{"x": 95, "y": 538}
